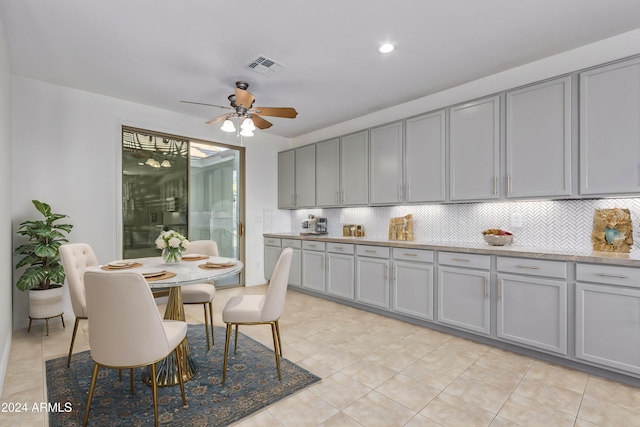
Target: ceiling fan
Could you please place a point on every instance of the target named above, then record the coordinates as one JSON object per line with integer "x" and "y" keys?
{"x": 242, "y": 105}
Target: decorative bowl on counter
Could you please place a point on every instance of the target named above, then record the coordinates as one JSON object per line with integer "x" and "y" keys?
{"x": 498, "y": 240}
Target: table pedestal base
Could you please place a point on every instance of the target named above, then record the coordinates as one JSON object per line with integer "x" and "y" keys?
{"x": 167, "y": 369}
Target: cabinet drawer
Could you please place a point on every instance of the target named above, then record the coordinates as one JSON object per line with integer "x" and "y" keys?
{"x": 533, "y": 267}
{"x": 413, "y": 255}
{"x": 313, "y": 246}
{"x": 340, "y": 248}
{"x": 291, "y": 243}
{"x": 373, "y": 251}
{"x": 272, "y": 241}
{"x": 612, "y": 275}
{"x": 465, "y": 260}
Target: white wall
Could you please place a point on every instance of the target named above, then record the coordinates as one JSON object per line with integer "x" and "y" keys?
{"x": 611, "y": 49}
{"x": 5, "y": 207}
{"x": 67, "y": 150}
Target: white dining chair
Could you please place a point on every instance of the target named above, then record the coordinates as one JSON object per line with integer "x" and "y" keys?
{"x": 202, "y": 293}
{"x": 126, "y": 330}
{"x": 76, "y": 258}
{"x": 259, "y": 310}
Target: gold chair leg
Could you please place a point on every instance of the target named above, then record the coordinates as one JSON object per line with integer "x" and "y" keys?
{"x": 235, "y": 340}
{"x": 130, "y": 380}
{"x": 278, "y": 333}
{"x": 180, "y": 379}
{"x": 206, "y": 325}
{"x": 226, "y": 352}
{"x": 73, "y": 340}
{"x": 154, "y": 392}
{"x": 275, "y": 348}
{"x": 94, "y": 377}
{"x": 213, "y": 340}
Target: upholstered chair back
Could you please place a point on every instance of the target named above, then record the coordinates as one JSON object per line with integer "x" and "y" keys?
{"x": 277, "y": 290}
{"x": 125, "y": 327}
{"x": 204, "y": 247}
{"x": 76, "y": 258}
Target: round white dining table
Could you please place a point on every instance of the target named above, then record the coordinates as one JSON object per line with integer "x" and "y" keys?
{"x": 186, "y": 272}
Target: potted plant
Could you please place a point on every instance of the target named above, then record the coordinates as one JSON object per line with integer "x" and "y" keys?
{"x": 44, "y": 275}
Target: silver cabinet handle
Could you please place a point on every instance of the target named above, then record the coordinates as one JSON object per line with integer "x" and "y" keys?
{"x": 339, "y": 248}
{"x": 400, "y": 192}
{"x": 461, "y": 259}
{"x": 370, "y": 251}
{"x": 342, "y": 196}
{"x": 410, "y": 254}
{"x": 499, "y": 289}
{"x": 337, "y": 197}
{"x": 322, "y": 261}
{"x": 395, "y": 274}
{"x": 530, "y": 267}
{"x": 407, "y": 192}
{"x": 485, "y": 287}
{"x": 617, "y": 276}
{"x": 495, "y": 184}
{"x": 386, "y": 272}
{"x": 508, "y": 184}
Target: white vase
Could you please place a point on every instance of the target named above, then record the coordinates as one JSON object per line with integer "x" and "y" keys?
{"x": 45, "y": 303}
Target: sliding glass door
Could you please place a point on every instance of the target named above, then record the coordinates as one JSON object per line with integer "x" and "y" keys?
{"x": 190, "y": 186}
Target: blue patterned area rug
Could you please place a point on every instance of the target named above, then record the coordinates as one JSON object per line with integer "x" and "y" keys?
{"x": 252, "y": 384}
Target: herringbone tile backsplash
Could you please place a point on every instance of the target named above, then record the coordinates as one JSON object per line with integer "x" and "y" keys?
{"x": 557, "y": 224}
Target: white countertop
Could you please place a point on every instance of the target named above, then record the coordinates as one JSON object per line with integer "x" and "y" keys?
{"x": 631, "y": 259}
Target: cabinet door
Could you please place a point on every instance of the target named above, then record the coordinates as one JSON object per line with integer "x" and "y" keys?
{"x": 385, "y": 165}
{"x": 354, "y": 169}
{"x": 305, "y": 176}
{"x": 372, "y": 281}
{"x": 609, "y": 131}
{"x": 474, "y": 147}
{"x": 271, "y": 255}
{"x": 533, "y": 311}
{"x": 313, "y": 271}
{"x": 463, "y": 299}
{"x": 424, "y": 153}
{"x": 413, "y": 289}
{"x": 341, "y": 275}
{"x": 286, "y": 179}
{"x": 328, "y": 173}
{"x": 607, "y": 326}
{"x": 538, "y": 140}
{"x": 295, "y": 272}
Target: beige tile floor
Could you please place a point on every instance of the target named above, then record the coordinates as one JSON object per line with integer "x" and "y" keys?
{"x": 375, "y": 371}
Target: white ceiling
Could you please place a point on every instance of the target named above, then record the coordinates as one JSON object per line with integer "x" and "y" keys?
{"x": 158, "y": 52}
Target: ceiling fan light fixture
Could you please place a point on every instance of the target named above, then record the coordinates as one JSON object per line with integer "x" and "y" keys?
{"x": 228, "y": 126}
{"x": 246, "y": 132}
{"x": 165, "y": 163}
{"x": 386, "y": 48}
{"x": 247, "y": 124}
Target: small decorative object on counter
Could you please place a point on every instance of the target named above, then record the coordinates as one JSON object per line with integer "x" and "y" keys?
{"x": 352, "y": 230}
{"x": 497, "y": 237}
{"x": 172, "y": 244}
{"x": 346, "y": 230}
{"x": 612, "y": 230}
{"x": 401, "y": 228}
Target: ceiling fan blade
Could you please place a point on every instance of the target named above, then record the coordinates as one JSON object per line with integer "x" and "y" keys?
{"x": 288, "y": 113}
{"x": 260, "y": 122}
{"x": 217, "y": 119}
{"x": 244, "y": 98}
{"x": 210, "y": 105}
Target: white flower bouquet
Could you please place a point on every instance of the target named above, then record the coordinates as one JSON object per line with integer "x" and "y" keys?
{"x": 172, "y": 244}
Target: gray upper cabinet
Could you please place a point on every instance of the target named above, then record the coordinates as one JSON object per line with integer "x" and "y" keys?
{"x": 305, "y": 176}
{"x": 538, "y": 140}
{"x": 328, "y": 173}
{"x": 609, "y": 131}
{"x": 354, "y": 169}
{"x": 385, "y": 172}
{"x": 286, "y": 179}
{"x": 474, "y": 150}
{"x": 424, "y": 153}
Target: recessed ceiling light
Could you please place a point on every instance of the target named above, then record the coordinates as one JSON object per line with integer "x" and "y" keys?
{"x": 386, "y": 48}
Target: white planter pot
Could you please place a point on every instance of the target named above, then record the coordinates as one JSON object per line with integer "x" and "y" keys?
{"x": 46, "y": 303}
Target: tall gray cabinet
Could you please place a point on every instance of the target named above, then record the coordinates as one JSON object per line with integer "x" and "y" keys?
{"x": 354, "y": 169}
{"x": 385, "y": 178}
{"x": 328, "y": 173}
{"x": 297, "y": 178}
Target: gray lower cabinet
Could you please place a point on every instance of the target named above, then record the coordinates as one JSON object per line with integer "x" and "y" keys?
{"x": 533, "y": 311}
{"x": 609, "y": 131}
{"x": 412, "y": 286}
{"x": 372, "y": 276}
{"x": 608, "y": 316}
{"x": 295, "y": 272}
{"x": 313, "y": 266}
{"x": 341, "y": 275}
{"x": 271, "y": 255}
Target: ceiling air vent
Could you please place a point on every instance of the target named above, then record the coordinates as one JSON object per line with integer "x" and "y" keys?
{"x": 264, "y": 65}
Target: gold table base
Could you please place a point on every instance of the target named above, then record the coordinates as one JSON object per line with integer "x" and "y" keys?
{"x": 167, "y": 369}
